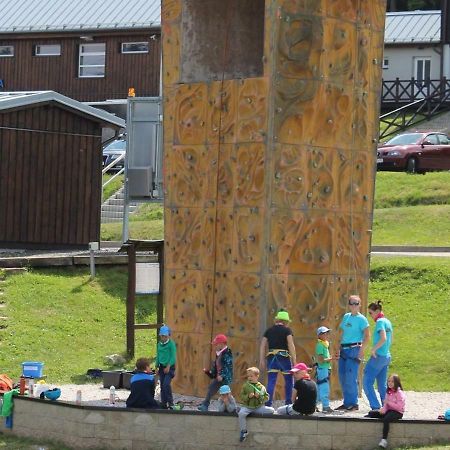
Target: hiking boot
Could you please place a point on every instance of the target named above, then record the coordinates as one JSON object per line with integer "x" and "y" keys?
{"x": 243, "y": 435}
{"x": 352, "y": 408}
{"x": 203, "y": 407}
{"x": 341, "y": 408}
{"x": 327, "y": 410}
{"x": 383, "y": 443}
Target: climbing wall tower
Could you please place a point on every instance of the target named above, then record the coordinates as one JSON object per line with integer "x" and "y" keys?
{"x": 270, "y": 130}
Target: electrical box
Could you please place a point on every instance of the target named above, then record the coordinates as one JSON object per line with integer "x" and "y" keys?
{"x": 140, "y": 181}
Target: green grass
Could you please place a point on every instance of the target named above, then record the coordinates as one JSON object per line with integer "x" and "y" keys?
{"x": 401, "y": 189}
{"x": 70, "y": 322}
{"x": 112, "y": 187}
{"x": 416, "y": 297}
{"x": 414, "y": 225}
{"x": 9, "y": 442}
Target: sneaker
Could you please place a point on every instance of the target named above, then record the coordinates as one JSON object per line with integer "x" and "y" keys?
{"x": 327, "y": 410}
{"x": 243, "y": 435}
{"x": 383, "y": 443}
{"x": 178, "y": 407}
{"x": 341, "y": 408}
{"x": 352, "y": 408}
{"x": 203, "y": 407}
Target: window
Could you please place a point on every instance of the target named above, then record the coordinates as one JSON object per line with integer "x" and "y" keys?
{"x": 134, "y": 47}
{"x": 443, "y": 139}
{"x": 6, "y": 50}
{"x": 47, "y": 50}
{"x": 431, "y": 139}
{"x": 92, "y": 61}
{"x": 385, "y": 63}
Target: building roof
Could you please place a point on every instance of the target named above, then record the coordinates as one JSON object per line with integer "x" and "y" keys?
{"x": 409, "y": 27}
{"x": 12, "y": 100}
{"x": 31, "y": 16}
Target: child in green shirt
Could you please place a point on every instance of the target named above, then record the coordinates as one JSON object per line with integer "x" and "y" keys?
{"x": 253, "y": 397}
{"x": 166, "y": 356}
{"x": 323, "y": 359}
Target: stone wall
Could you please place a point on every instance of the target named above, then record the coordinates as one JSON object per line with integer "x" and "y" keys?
{"x": 113, "y": 428}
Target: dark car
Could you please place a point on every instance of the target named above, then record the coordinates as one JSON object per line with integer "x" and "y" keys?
{"x": 113, "y": 151}
{"x": 415, "y": 152}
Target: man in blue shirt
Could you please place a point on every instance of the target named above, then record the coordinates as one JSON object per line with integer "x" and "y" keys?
{"x": 378, "y": 364}
{"x": 354, "y": 337}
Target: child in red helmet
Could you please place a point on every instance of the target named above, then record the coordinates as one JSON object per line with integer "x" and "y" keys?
{"x": 221, "y": 370}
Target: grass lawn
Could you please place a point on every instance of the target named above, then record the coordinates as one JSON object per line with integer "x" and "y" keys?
{"x": 112, "y": 187}
{"x": 416, "y": 296}
{"x": 61, "y": 317}
{"x": 412, "y": 225}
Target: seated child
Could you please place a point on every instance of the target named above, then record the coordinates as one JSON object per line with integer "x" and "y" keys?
{"x": 221, "y": 371}
{"x": 393, "y": 407}
{"x": 227, "y": 403}
{"x": 304, "y": 396}
{"x": 142, "y": 387}
{"x": 253, "y": 397}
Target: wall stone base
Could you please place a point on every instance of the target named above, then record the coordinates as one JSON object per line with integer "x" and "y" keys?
{"x": 113, "y": 428}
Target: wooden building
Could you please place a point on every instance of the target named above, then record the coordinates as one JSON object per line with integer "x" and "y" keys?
{"x": 50, "y": 170}
{"x": 89, "y": 51}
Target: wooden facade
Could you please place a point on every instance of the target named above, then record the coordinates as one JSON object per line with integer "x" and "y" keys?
{"x": 50, "y": 178}
{"x": 270, "y": 169}
{"x": 27, "y": 72}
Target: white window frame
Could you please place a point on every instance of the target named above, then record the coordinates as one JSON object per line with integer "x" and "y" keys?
{"x": 81, "y": 66}
{"x": 385, "y": 63}
{"x": 134, "y": 52}
{"x": 38, "y": 53}
{"x": 7, "y": 56}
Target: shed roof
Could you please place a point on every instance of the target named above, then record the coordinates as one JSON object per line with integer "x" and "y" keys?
{"x": 31, "y": 16}
{"x": 12, "y": 100}
{"x": 408, "y": 27}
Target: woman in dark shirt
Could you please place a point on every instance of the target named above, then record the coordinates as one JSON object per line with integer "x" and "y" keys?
{"x": 278, "y": 351}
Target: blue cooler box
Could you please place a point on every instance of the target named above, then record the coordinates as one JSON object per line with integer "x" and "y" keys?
{"x": 32, "y": 369}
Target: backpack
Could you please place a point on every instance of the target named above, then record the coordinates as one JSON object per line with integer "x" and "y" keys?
{"x": 6, "y": 384}
{"x": 447, "y": 415}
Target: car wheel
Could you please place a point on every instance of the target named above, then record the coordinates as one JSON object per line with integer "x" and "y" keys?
{"x": 411, "y": 165}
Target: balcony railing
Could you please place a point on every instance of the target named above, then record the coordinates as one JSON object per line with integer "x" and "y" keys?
{"x": 401, "y": 92}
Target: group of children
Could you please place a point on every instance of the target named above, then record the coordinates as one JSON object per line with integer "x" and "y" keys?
{"x": 304, "y": 392}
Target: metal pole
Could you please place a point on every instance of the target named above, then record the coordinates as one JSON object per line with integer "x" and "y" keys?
{"x": 131, "y": 298}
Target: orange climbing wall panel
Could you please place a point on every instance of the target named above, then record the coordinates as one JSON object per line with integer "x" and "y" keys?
{"x": 270, "y": 129}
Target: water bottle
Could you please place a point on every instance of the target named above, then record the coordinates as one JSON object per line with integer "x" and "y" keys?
{"x": 112, "y": 395}
{"x": 78, "y": 398}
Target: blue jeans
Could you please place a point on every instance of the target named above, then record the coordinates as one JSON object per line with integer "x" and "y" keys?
{"x": 376, "y": 369}
{"x": 213, "y": 388}
{"x": 277, "y": 364}
{"x": 348, "y": 374}
{"x": 323, "y": 387}
{"x": 166, "y": 390}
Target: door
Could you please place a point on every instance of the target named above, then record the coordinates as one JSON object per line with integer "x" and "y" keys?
{"x": 431, "y": 154}
{"x": 422, "y": 74}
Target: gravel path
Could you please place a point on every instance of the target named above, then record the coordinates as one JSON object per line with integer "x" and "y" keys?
{"x": 419, "y": 405}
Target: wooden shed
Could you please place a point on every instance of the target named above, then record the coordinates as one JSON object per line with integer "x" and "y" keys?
{"x": 50, "y": 170}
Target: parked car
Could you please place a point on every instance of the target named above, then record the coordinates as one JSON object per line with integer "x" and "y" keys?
{"x": 415, "y": 152}
{"x": 112, "y": 151}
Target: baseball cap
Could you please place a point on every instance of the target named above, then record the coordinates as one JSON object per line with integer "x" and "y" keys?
{"x": 298, "y": 367}
{"x": 164, "y": 331}
{"x": 225, "y": 389}
{"x": 321, "y": 330}
{"x": 220, "y": 339}
{"x": 282, "y": 315}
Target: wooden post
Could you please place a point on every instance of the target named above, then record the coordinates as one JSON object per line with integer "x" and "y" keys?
{"x": 131, "y": 299}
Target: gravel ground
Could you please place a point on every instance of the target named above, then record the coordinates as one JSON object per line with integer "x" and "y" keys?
{"x": 419, "y": 405}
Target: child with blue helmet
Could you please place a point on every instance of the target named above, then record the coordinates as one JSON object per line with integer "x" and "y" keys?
{"x": 166, "y": 355}
{"x": 227, "y": 402}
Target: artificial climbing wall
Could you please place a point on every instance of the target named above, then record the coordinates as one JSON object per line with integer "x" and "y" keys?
{"x": 270, "y": 128}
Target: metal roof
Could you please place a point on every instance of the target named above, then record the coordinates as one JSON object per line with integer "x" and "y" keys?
{"x": 31, "y": 16}
{"x": 11, "y": 100}
{"x": 408, "y": 27}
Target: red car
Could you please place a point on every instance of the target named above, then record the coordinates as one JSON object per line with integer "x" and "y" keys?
{"x": 415, "y": 152}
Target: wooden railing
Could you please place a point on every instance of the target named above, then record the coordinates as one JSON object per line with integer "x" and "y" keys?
{"x": 401, "y": 92}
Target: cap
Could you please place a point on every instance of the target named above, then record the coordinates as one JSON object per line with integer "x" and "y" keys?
{"x": 220, "y": 339}
{"x": 321, "y": 330}
{"x": 164, "y": 331}
{"x": 283, "y": 315}
{"x": 298, "y": 367}
{"x": 225, "y": 389}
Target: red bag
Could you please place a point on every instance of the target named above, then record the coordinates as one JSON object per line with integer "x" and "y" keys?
{"x": 6, "y": 384}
